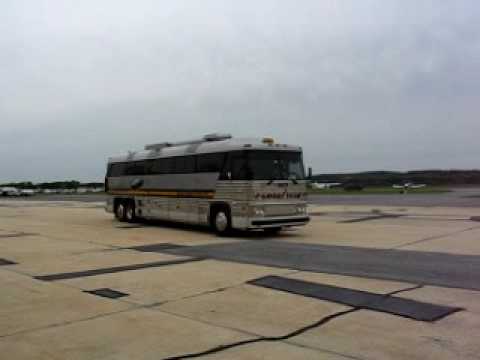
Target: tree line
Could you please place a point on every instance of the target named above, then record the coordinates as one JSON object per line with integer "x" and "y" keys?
{"x": 388, "y": 178}
{"x": 368, "y": 178}
{"x": 69, "y": 184}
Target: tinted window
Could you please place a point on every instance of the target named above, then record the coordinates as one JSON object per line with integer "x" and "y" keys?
{"x": 117, "y": 169}
{"x": 175, "y": 165}
{"x": 239, "y": 168}
{"x": 162, "y": 166}
{"x": 184, "y": 164}
{"x": 210, "y": 162}
{"x": 135, "y": 168}
{"x": 266, "y": 165}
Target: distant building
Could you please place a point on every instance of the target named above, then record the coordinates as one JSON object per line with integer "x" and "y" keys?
{"x": 67, "y": 191}
{"x": 50, "y": 191}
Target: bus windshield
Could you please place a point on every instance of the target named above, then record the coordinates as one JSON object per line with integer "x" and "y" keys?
{"x": 267, "y": 165}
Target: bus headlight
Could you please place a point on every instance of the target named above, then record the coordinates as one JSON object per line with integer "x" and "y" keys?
{"x": 258, "y": 211}
{"x": 301, "y": 209}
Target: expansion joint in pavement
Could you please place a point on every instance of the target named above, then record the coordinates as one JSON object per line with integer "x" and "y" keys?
{"x": 65, "y": 323}
{"x": 436, "y": 237}
{"x": 213, "y": 291}
{"x": 17, "y": 234}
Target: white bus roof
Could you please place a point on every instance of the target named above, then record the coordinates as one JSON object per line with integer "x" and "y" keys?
{"x": 202, "y": 146}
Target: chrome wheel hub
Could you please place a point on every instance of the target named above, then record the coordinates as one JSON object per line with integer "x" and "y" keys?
{"x": 221, "y": 221}
{"x": 129, "y": 213}
{"x": 120, "y": 210}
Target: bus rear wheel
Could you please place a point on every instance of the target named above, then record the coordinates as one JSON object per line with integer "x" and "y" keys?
{"x": 130, "y": 211}
{"x": 221, "y": 221}
{"x": 120, "y": 211}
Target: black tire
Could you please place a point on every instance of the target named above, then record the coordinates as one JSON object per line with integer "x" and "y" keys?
{"x": 120, "y": 213}
{"x": 272, "y": 231}
{"x": 130, "y": 212}
{"x": 221, "y": 221}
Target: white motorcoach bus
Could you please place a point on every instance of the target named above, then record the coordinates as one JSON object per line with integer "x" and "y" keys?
{"x": 217, "y": 180}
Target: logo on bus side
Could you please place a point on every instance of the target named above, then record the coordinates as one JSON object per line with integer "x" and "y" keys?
{"x": 280, "y": 195}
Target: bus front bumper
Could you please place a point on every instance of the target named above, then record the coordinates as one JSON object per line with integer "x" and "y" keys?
{"x": 273, "y": 222}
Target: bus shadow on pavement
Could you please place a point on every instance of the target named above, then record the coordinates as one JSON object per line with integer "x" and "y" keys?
{"x": 234, "y": 234}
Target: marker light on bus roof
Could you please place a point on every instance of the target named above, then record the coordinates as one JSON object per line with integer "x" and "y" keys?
{"x": 268, "y": 140}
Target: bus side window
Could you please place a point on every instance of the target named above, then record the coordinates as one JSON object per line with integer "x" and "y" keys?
{"x": 210, "y": 162}
{"x": 156, "y": 167}
{"x": 239, "y": 166}
{"x": 161, "y": 166}
{"x": 179, "y": 165}
{"x": 226, "y": 171}
{"x": 148, "y": 165}
{"x": 189, "y": 164}
{"x": 117, "y": 170}
{"x": 135, "y": 168}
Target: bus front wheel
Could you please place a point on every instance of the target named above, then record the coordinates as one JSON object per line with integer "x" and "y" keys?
{"x": 221, "y": 221}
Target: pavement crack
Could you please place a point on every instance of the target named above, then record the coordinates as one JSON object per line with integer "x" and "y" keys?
{"x": 323, "y": 350}
{"x": 404, "y": 290}
{"x": 217, "y": 290}
{"x": 297, "y": 332}
{"x": 68, "y": 322}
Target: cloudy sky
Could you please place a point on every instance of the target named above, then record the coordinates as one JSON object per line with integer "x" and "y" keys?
{"x": 361, "y": 85}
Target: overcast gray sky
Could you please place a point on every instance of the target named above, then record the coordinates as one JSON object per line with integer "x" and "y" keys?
{"x": 361, "y": 85}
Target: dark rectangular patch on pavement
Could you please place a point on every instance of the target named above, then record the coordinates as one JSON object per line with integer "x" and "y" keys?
{"x": 129, "y": 227}
{"x": 368, "y": 218}
{"x": 6, "y": 262}
{"x": 416, "y": 267}
{"x": 108, "y": 293}
{"x": 359, "y": 299}
{"x": 16, "y": 234}
{"x": 95, "y": 272}
{"x": 157, "y": 247}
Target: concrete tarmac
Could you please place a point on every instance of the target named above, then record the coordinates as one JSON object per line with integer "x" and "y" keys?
{"x": 195, "y": 294}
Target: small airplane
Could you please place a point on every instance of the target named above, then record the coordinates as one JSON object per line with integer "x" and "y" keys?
{"x": 321, "y": 186}
{"x": 409, "y": 185}
{"x": 27, "y": 192}
{"x": 9, "y": 191}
